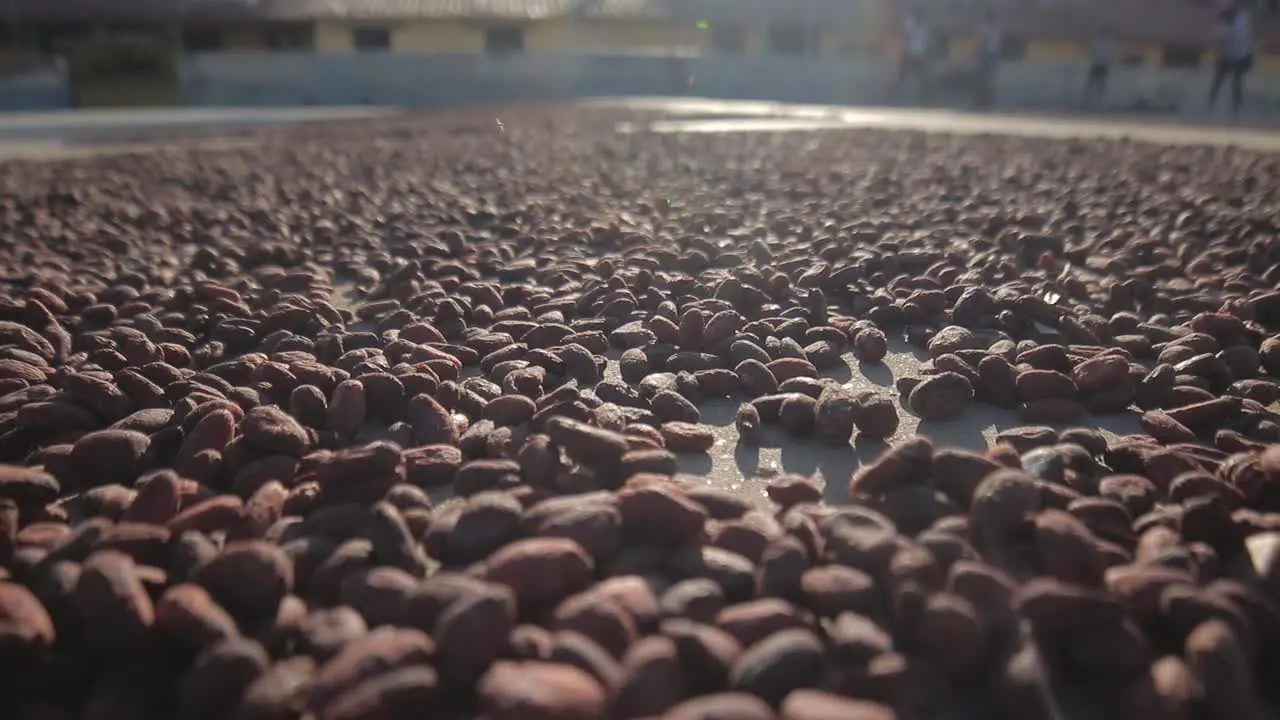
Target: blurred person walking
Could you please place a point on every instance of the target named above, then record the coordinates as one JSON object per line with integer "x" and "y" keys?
{"x": 1235, "y": 54}
{"x": 987, "y": 62}
{"x": 913, "y": 63}
{"x": 1095, "y": 83}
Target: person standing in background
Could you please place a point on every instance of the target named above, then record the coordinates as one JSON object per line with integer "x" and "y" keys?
{"x": 915, "y": 53}
{"x": 1235, "y": 54}
{"x": 990, "y": 42}
{"x": 1095, "y": 84}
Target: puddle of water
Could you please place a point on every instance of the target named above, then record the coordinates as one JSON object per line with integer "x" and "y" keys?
{"x": 740, "y": 125}
{"x": 776, "y": 117}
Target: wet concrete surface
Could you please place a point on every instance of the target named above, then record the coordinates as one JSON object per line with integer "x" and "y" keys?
{"x": 719, "y": 116}
{"x": 51, "y": 135}
{"x": 74, "y": 123}
{"x": 729, "y": 464}
{"x": 746, "y": 469}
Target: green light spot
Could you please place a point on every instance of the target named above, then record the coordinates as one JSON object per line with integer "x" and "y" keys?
{"x": 704, "y": 25}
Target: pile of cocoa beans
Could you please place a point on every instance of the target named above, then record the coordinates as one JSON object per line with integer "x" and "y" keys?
{"x": 381, "y": 420}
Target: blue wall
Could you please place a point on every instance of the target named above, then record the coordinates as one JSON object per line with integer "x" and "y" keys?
{"x": 430, "y": 80}
{"x": 291, "y": 79}
{"x": 43, "y": 90}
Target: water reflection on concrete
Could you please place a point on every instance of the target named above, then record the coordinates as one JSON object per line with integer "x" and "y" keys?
{"x": 722, "y": 116}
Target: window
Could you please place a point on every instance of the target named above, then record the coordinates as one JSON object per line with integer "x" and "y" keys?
{"x": 504, "y": 40}
{"x": 1013, "y": 48}
{"x": 201, "y": 39}
{"x": 789, "y": 39}
{"x": 1180, "y": 56}
{"x": 371, "y": 38}
{"x": 289, "y": 37}
{"x": 728, "y": 39}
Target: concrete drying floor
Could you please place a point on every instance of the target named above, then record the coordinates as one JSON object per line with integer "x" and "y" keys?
{"x": 746, "y": 469}
{"x": 723, "y": 116}
{"x": 729, "y": 465}
{"x": 50, "y": 135}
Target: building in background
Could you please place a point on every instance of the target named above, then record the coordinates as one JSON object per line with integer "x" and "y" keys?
{"x": 125, "y": 52}
{"x": 791, "y": 27}
{"x": 1155, "y": 34}
{"x": 153, "y": 34}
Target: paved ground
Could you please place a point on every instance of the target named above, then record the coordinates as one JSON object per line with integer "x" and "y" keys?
{"x": 61, "y": 134}
{"x": 729, "y": 464}
{"x": 701, "y": 115}
{"x": 727, "y": 116}
{"x": 86, "y": 122}
{"x": 744, "y": 469}
{"x": 741, "y": 468}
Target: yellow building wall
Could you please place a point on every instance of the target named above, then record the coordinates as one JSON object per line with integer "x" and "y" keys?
{"x": 961, "y": 47}
{"x": 1268, "y": 63}
{"x": 560, "y": 34}
{"x": 1061, "y": 51}
{"x": 639, "y": 35}
{"x": 1124, "y": 53}
{"x": 1152, "y": 55}
{"x": 848, "y": 43}
{"x": 755, "y": 39}
{"x": 441, "y": 36}
{"x": 334, "y": 36}
{"x": 757, "y": 43}
{"x": 569, "y": 35}
{"x": 576, "y": 35}
{"x": 243, "y": 38}
{"x": 831, "y": 43}
{"x": 1056, "y": 51}
{"x": 964, "y": 47}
